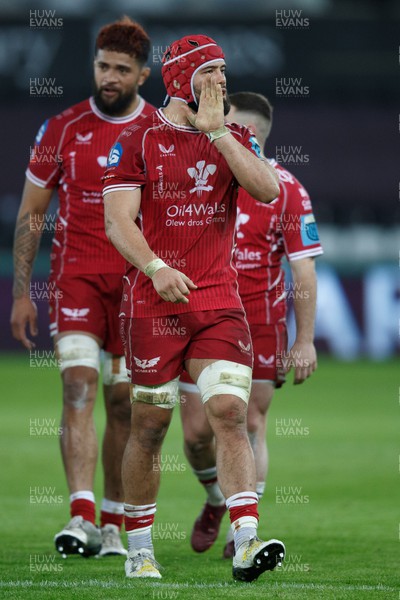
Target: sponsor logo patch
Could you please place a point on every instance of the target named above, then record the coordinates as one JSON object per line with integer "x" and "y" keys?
{"x": 255, "y": 146}
{"x": 115, "y": 155}
{"x": 84, "y": 139}
{"x": 75, "y": 314}
{"x": 309, "y": 231}
{"x": 146, "y": 363}
{"x": 244, "y": 347}
{"x": 266, "y": 362}
{"x": 167, "y": 151}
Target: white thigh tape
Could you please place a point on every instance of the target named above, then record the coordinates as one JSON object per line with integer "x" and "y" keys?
{"x": 114, "y": 369}
{"x": 225, "y": 377}
{"x": 78, "y": 350}
{"x": 163, "y": 396}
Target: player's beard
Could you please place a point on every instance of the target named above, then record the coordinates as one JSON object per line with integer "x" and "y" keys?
{"x": 114, "y": 107}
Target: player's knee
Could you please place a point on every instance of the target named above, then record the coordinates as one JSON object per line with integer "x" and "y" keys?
{"x": 227, "y": 414}
{"x": 197, "y": 445}
{"x": 224, "y": 377}
{"x": 196, "y": 449}
{"x": 119, "y": 405}
{"x": 150, "y": 432}
{"x": 79, "y": 388}
{"x": 153, "y": 436}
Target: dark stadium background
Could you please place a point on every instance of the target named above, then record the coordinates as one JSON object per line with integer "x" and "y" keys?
{"x": 342, "y": 129}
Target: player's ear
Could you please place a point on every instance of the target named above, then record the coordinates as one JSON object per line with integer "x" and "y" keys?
{"x": 144, "y": 74}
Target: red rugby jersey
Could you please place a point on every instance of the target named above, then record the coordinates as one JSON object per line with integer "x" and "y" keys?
{"x": 187, "y": 213}
{"x": 70, "y": 154}
{"x": 265, "y": 234}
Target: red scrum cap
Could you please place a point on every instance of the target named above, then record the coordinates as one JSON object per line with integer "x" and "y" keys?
{"x": 183, "y": 59}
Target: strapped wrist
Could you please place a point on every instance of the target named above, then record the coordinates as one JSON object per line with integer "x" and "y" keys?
{"x": 217, "y": 133}
{"x": 153, "y": 266}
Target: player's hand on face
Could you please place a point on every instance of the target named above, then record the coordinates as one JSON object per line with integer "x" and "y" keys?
{"x": 303, "y": 358}
{"x": 24, "y": 312}
{"x": 172, "y": 285}
{"x": 210, "y": 115}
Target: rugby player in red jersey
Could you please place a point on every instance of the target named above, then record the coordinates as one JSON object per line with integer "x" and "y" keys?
{"x": 69, "y": 156}
{"x": 266, "y": 233}
{"x": 170, "y": 191}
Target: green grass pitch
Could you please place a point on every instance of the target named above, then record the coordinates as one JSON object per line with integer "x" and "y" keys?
{"x": 331, "y": 496}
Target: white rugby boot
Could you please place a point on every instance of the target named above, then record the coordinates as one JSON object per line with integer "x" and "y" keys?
{"x": 78, "y": 537}
{"x": 141, "y": 563}
{"x": 111, "y": 541}
{"x": 255, "y": 556}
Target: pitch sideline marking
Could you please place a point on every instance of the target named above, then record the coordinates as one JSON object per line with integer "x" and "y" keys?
{"x": 125, "y": 585}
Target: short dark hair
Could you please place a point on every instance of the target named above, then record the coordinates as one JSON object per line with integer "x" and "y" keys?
{"x": 250, "y": 101}
{"x": 124, "y": 36}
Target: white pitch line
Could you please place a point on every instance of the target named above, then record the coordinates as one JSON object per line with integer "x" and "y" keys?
{"x": 127, "y": 585}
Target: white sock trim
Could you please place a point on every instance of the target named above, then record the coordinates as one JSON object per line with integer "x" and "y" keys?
{"x": 205, "y": 474}
{"x": 241, "y": 499}
{"x": 82, "y": 495}
{"x": 110, "y": 506}
{"x": 141, "y": 510}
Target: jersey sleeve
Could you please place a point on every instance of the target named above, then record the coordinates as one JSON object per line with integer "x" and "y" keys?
{"x": 45, "y": 164}
{"x": 246, "y": 138}
{"x": 298, "y": 226}
{"x": 125, "y": 164}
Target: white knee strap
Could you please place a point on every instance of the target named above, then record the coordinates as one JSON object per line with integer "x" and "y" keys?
{"x": 114, "y": 369}
{"x": 225, "y": 377}
{"x": 163, "y": 396}
{"x": 78, "y": 350}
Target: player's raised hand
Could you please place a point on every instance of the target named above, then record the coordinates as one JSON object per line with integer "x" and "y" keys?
{"x": 210, "y": 115}
{"x": 303, "y": 358}
{"x": 172, "y": 285}
{"x": 24, "y": 312}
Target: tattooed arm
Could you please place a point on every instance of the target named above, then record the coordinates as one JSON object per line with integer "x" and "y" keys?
{"x": 35, "y": 201}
